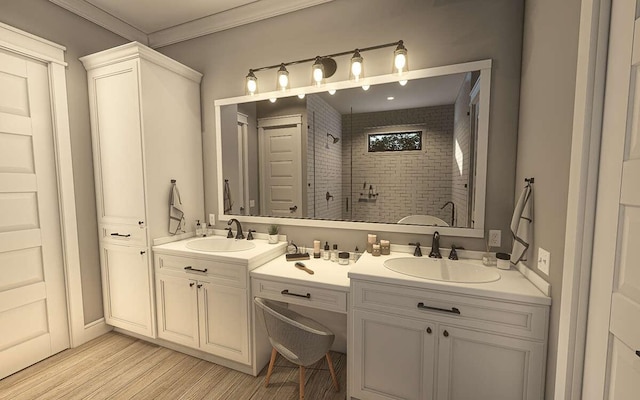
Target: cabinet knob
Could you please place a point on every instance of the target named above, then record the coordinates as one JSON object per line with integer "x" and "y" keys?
{"x": 143, "y": 252}
{"x": 199, "y": 285}
{"x": 191, "y": 284}
{"x": 445, "y": 333}
{"x": 429, "y": 330}
{"x": 140, "y": 223}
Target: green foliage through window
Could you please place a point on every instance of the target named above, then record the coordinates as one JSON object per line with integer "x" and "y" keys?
{"x": 396, "y": 141}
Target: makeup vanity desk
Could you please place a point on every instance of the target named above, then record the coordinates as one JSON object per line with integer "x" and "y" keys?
{"x": 327, "y": 289}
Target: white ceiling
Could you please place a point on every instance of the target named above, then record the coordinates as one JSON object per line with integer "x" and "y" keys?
{"x": 158, "y": 23}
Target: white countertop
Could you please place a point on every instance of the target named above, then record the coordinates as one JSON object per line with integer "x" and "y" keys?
{"x": 512, "y": 285}
{"x": 252, "y": 258}
{"x": 327, "y": 274}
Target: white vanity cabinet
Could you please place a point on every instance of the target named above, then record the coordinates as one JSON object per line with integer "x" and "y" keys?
{"x": 145, "y": 126}
{"x": 203, "y": 304}
{"x": 412, "y": 343}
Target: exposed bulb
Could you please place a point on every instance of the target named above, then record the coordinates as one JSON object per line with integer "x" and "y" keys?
{"x": 252, "y": 86}
{"x": 356, "y": 69}
{"x": 317, "y": 75}
{"x": 283, "y": 81}
{"x": 400, "y": 61}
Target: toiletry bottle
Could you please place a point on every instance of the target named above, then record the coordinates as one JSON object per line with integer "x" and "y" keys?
{"x": 316, "y": 249}
{"x": 198, "y": 228}
{"x": 325, "y": 252}
{"x": 357, "y": 254}
{"x": 334, "y": 253}
{"x": 375, "y": 250}
{"x": 210, "y": 230}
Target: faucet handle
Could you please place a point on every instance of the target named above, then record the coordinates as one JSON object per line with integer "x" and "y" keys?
{"x": 417, "y": 252}
{"x": 453, "y": 254}
{"x": 230, "y": 234}
{"x": 250, "y": 235}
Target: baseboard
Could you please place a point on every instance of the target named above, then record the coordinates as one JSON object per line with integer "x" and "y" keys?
{"x": 93, "y": 330}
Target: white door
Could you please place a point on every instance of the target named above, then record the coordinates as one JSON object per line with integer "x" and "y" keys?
{"x": 396, "y": 357}
{"x": 478, "y": 365}
{"x": 612, "y": 357}
{"x": 280, "y": 141}
{"x": 33, "y": 313}
{"x": 224, "y": 321}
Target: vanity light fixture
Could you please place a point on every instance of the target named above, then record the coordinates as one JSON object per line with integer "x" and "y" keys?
{"x": 356, "y": 70}
{"x": 325, "y": 66}
{"x": 283, "y": 78}
{"x": 400, "y": 63}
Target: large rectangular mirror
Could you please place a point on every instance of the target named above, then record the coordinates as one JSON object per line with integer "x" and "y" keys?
{"x": 399, "y": 156}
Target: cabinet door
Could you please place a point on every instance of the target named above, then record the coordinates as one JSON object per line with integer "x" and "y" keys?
{"x": 224, "y": 321}
{"x": 127, "y": 289}
{"x": 476, "y": 365}
{"x": 393, "y": 357}
{"x": 117, "y": 143}
{"x": 177, "y": 304}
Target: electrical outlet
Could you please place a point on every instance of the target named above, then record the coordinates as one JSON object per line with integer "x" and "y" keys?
{"x": 495, "y": 238}
{"x": 212, "y": 219}
{"x": 544, "y": 258}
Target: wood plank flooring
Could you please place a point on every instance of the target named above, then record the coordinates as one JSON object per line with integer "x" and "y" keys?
{"x": 116, "y": 366}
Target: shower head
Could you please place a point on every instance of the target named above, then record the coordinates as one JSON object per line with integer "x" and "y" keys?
{"x": 335, "y": 139}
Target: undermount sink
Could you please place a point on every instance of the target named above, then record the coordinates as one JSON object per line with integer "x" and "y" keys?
{"x": 220, "y": 244}
{"x": 442, "y": 269}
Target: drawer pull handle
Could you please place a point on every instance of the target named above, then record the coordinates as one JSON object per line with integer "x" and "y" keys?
{"x": 190, "y": 268}
{"x": 286, "y": 293}
{"x": 453, "y": 310}
{"x": 445, "y": 333}
{"x": 120, "y": 235}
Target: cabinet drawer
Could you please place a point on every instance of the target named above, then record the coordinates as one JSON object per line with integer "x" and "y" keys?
{"x": 527, "y": 321}
{"x": 133, "y": 235}
{"x": 196, "y": 268}
{"x": 325, "y": 299}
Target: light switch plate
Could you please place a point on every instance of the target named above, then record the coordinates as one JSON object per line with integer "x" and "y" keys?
{"x": 212, "y": 219}
{"x": 544, "y": 258}
{"x": 495, "y": 238}
{"x": 252, "y": 203}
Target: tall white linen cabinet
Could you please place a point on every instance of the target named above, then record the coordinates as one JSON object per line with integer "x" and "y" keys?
{"x": 146, "y": 131}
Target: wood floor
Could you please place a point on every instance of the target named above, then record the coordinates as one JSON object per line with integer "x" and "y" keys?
{"x": 115, "y": 366}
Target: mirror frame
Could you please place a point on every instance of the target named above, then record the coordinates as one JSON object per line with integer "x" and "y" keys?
{"x": 484, "y": 66}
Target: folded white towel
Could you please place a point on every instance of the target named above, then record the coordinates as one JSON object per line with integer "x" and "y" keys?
{"x": 522, "y": 225}
{"x": 176, "y": 214}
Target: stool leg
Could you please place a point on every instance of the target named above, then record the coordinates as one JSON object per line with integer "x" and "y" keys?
{"x": 301, "y": 382}
{"x": 274, "y": 352}
{"x": 333, "y": 373}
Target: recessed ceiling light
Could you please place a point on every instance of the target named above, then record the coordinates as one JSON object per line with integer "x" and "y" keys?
{"x": 366, "y": 87}
{"x": 403, "y": 82}
{"x": 273, "y": 99}
{"x": 390, "y": 98}
{"x": 332, "y": 91}
{"x": 301, "y": 96}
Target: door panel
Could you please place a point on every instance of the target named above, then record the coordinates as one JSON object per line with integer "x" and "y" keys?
{"x": 33, "y": 312}
{"x": 625, "y": 372}
{"x": 177, "y": 310}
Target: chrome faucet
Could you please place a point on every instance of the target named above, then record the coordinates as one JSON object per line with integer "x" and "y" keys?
{"x": 239, "y": 234}
{"x": 435, "y": 246}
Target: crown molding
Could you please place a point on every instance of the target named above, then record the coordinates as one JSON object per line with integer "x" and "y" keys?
{"x": 104, "y": 19}
{"x": 136, "y": 50}
{"x": 232, "y": 18}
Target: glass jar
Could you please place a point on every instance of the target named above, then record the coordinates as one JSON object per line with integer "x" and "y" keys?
{"x": 343, "y": 258}
{"x": 385, "y": 247}
{"x": 375, "y": 250}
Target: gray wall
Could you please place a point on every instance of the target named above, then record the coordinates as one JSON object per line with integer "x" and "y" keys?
{"x": 435, "y": 32}
{"x": 80, "y": 37}
{"x": 544, "y": 136}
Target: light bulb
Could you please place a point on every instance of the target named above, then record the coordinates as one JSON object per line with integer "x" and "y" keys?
{"x": 283, "y": 78}
{"x": 356, "y": 66}
{"x": 251, "y": 83}
{"x": 317, "y": 72}
{"x": 400, "y": 61}
{"x": 317, "y": 75}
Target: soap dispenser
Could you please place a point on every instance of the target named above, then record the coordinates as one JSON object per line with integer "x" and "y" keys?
{"x": 198, "y": 228}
